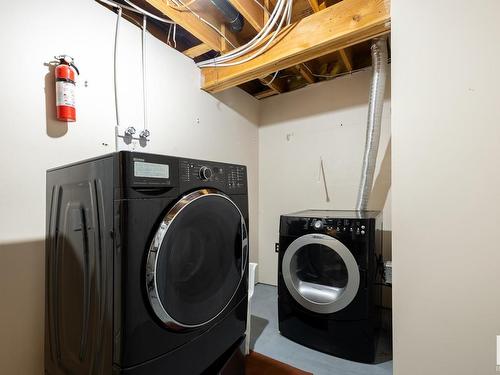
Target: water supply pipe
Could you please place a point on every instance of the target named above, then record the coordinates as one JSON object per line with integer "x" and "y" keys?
{"x": 375, "y": 107}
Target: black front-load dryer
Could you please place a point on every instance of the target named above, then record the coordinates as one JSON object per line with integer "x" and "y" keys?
{"x": 329, "y": 281}
{"x": 146, "y": 265}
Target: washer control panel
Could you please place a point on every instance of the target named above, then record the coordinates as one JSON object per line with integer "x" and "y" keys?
{"x": 236, "y": 177}
{"x": 205, "y": 173}
{"x": 227, "y": 177}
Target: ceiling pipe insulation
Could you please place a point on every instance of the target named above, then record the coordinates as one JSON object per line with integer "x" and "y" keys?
{"x": 375, "y": 107}
{"x": 232, "y": 16}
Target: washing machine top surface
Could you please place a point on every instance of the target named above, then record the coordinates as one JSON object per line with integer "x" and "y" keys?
{"x": 335, "y": 214}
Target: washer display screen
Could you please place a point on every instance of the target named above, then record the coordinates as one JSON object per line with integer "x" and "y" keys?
{"x": 151, "y": 170}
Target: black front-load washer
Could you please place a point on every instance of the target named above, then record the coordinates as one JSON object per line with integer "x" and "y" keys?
{"x": 146, "y": 265}
{"x": 329, "y": 281}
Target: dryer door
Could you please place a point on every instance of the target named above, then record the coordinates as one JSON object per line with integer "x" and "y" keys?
{"x": 197, "y": 259}
{"x": 320, "y": 273}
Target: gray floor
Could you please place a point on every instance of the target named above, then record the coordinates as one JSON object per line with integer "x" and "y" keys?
{"x": 266, "y": 339}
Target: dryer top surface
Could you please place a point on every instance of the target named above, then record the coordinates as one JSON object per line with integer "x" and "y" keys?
{"x": 335, "y": 214}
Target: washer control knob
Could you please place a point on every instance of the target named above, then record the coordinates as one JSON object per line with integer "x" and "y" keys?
{"x": 205, "y": 173}
{"x": 318, "y": 224}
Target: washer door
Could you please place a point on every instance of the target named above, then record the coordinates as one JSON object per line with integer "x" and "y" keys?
{"x": 197, "y": 259}
{"x": 320, "y": 273}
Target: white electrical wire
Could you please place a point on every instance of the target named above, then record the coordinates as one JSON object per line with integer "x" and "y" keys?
{"x": 134, "y": 8}
{"x": 168, "y": 34}
{"x": 282, "y": 11}
{"x": 285, "y": 15}
{"x": 144, "y": 12}
{"x": 272, "y": 79}
{"x": 262, "y": 6}
{"x": 144, "y": 89}
{"x": 117, "y": 6}
{"x": 250, "y": 45}
{"x": 174, "y": 41}
{"x": 115, "y": 59}
{"x": 278, "y": 13}
{"x": 175, "y": 35}
{"x": 181, "y": 3}
{"x": 254, "y": 41}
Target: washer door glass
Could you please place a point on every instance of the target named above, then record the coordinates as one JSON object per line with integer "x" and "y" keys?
{"x": 197, "y": 259}
{"x": 320, "y": 273}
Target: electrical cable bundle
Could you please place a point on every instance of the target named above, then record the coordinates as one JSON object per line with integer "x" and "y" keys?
{"x": 282, "y": 12}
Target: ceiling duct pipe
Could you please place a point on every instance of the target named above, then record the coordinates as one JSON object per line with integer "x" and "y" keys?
{"x": 232, "y": 16}
{"x": 375, "y": 107}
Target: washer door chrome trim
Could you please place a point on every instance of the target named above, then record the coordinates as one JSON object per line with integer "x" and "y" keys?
{"x": 155, "y": 248}
{"x": 327, "y": 299}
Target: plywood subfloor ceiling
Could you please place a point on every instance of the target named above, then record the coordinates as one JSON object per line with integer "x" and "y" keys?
{"x": 325, "y": 40}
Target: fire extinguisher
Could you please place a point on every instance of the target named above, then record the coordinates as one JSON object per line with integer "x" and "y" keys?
{"x": 65, "y": 73}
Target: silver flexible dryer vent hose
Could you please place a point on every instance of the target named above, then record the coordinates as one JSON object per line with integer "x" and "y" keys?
{"x": 375, "y": 106}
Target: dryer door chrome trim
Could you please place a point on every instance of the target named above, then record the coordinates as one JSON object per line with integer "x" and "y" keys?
{"x": 320, "y": 298}
{"x": 155, "y": 249}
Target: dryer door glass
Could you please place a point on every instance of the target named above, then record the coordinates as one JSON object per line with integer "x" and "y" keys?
{"x": 318, "y": 264}
{"x": 197, "y": 260}
{"x": 320, "y": 273}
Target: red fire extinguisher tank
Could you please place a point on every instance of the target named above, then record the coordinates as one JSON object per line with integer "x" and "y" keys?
{"x": 65, "y": 73}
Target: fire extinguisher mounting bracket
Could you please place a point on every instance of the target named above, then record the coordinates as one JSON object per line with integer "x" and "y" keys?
{"x": 68, "y": 60}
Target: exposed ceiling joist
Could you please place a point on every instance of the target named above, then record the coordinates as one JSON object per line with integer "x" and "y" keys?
{"x": 251, "y": 11}
{"x": 265, "y": 94}
{"x": 345, "y": 57}
{"x": 342, "y": 25}
{"x": 210, "y": 38}
{"x": 191, "y": 23}
{"x": 254, "y": 15}
{"x": 305, "y": 72}
{"x": 196, "y": 51}
{"x": 315, "y": 6}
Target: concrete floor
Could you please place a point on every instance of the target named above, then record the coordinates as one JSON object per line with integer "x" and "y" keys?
{"x": 266, "y": 339}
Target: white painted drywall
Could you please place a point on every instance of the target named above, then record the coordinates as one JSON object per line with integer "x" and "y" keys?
{"x": 446, "y": 186}
{"x": 328, "y": 121}
{"x": 32, "y": 33}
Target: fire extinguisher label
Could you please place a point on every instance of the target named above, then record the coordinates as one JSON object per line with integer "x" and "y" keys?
{"x": 65, "y": 93}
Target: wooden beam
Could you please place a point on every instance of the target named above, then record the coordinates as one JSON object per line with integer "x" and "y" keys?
{"x": 251, "y": 11}
{"x": 304, "y": 72}
{"x": 344, "y": 24}
{"x": 345, "y": 59}
{"x": 196, "y": 51}
{"x": 277, "y": 85}
{"x": 267, "y": 5}
{"x": 343, "y": 55}
{"x": 191, "y": 23}
{"x": 255, "y": 16}
{"x": 314, "y": 5}
{"x": 224, "y": 45}
{"x": 210, "y": 38}
{"x": 265, "y": 94}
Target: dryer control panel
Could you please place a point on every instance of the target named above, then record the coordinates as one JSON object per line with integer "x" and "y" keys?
{"x": 338, "y": 225}
{"x": 335, "y": 227}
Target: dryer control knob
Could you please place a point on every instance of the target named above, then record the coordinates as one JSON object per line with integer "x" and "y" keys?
{"x": 205, "y": 173}
{"x": 318, "y": 224}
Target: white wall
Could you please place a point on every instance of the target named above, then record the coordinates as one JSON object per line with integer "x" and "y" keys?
{"x": 326, "y": 120}
{"x": 32, "y": 33}
{"x": 446, "y": 186}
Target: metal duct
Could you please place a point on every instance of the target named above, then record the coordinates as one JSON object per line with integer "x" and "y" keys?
{"x": 232, "y": 16}
{"x": 375, "y": 106}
